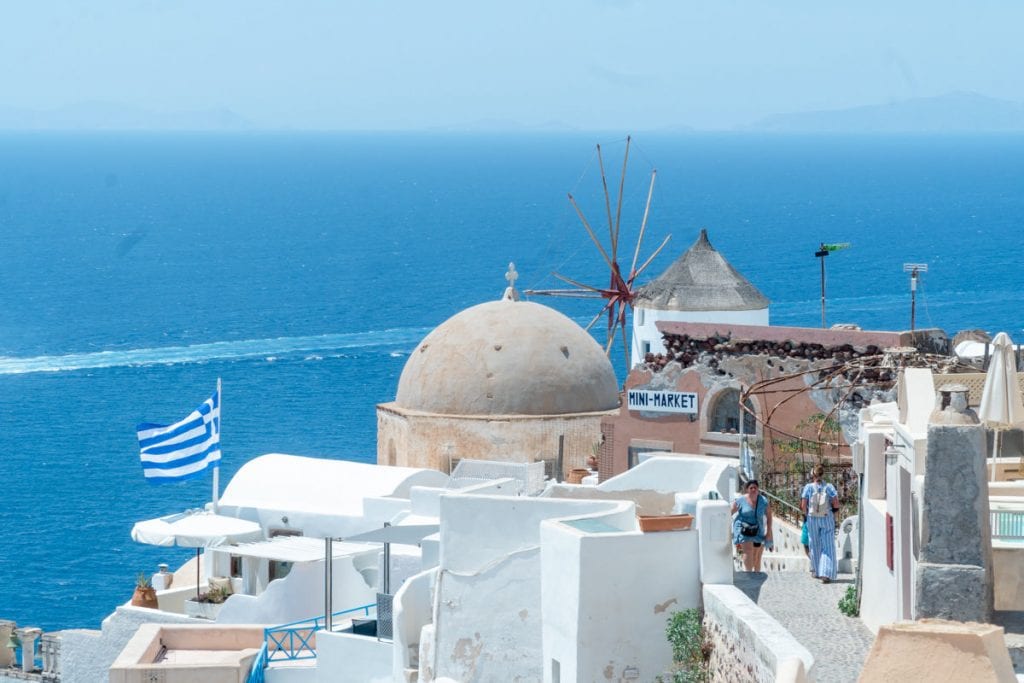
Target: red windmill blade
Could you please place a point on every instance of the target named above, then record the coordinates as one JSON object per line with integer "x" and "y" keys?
{"x": 620, "y": 292}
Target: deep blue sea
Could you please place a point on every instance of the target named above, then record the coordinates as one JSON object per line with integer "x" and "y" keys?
{"x": 137, "y": 269}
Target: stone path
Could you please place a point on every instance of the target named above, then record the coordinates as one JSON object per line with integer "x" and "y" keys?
{"x": 809, "y": 610}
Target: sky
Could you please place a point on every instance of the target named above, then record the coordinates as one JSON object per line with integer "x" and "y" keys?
{"x": 580, "y": 64}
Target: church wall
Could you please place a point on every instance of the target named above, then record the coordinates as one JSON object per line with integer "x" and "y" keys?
{"x": 426, "y": 440}
{"x": 392, "y": 437}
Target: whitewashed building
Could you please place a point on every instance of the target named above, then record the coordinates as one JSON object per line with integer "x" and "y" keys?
{"x": 700, "y": 286}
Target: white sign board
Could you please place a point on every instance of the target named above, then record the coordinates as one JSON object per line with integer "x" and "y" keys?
{"x": 662, "y": 401}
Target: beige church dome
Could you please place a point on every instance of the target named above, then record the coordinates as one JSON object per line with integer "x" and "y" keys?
{"x": 508, "y": 358}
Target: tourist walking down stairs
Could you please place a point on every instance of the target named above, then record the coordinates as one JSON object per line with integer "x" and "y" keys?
{"x": 752, "y": 525}
{"x": 819, "y": 502}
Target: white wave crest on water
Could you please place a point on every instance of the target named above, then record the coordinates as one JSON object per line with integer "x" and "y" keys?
{"x": 214, "y": 351}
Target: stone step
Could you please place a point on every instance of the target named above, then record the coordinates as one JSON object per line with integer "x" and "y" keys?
{"x": 1015, "y": 644}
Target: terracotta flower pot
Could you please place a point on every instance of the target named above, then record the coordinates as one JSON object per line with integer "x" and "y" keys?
{"x": 576, "y": 475}
{"x": 665, "y": 522}
{"x": 145, "y": 597}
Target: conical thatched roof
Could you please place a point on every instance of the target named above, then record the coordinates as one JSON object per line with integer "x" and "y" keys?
{"x": 701, "y": 280}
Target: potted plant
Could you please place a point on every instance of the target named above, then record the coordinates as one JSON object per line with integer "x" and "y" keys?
{"x": 145, "y": 594}
{"x": 207, "y": 605}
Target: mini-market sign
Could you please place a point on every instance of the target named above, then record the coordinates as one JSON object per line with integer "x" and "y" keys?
{"x": 662, "y": 401}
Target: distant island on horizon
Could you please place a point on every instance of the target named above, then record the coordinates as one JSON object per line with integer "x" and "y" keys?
{"x": 951, "y": 113}
{"x": 958, "y": 112}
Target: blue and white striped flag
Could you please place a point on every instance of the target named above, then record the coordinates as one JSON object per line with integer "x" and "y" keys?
{"x": 184, "y": 449}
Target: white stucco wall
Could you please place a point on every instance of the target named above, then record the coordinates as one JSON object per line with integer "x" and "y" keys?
{"x": 348, "y": 657}
{"x": 86, "y": 655}
{"x": 714, "y": 526}
{"x": 412, "y": 609}
{"x": 645, "y": 328}
{"x": 322, "y": 497}
{"x": 878, "y": 601}
{"x": 606, "y": 599}
{"x": 300, "y": 595}
{"x": 487, "y": 601}
{"x": 680, "y": 473}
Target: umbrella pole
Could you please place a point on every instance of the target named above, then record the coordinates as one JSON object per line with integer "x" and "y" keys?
{"x": 197, "y": 574}
{"x": 995, "y": 453}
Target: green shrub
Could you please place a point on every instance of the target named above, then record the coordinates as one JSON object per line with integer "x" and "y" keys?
{"x": 848, "y": 604}
{"x": 690, "y": 651}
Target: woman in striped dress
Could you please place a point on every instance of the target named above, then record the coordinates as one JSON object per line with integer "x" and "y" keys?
{"x": 820, "y": 501}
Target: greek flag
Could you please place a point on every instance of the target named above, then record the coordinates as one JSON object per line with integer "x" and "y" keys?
{"x": 184, "y": 449}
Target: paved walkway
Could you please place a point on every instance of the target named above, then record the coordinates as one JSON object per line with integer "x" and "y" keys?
{"x": 809, "y": 610}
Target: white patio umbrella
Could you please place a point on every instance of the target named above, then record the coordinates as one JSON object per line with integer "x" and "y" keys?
{"x": 195, "y": 529}
{"x": 1001, "y": 405}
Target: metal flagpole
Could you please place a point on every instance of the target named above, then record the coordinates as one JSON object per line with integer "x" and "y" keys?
{"x": 821, "y": 254}
{"x": 328, "y": 584}
{"x": 216, "y": 465}
{"x": 823, "y": 251}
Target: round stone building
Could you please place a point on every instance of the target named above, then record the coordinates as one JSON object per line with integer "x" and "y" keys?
{"x": 503, "y": 380}
{"x": 699, "y": 287}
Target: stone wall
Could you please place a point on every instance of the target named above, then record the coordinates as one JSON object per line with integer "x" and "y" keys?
{"x": 747, "y": 644}
{"x": 954, "y": 571}
{"x": 409, "y": 438}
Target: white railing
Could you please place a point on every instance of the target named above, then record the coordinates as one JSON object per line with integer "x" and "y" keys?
{"x": 1007, "y": 525}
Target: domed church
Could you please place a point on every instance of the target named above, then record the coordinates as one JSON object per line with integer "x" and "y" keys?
{"x": 502, "y": 380}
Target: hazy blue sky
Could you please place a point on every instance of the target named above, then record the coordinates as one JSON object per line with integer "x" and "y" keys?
{"x": 584, "y": 64}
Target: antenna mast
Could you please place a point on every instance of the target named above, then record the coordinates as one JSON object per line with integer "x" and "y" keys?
{"x": 914, "y": 269}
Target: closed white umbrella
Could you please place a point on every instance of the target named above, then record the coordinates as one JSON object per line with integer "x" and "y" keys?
{"x": 196, "y": 529}
{"x": 1001, "y": 405}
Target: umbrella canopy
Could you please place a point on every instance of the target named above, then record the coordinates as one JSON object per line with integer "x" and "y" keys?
{"x": 1001, "y": 405}
{"x": 196, "y": 529}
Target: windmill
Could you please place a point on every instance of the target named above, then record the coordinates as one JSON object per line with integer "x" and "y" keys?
{"x": 620, "y": 292}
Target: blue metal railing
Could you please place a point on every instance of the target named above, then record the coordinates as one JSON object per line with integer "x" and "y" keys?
{"x": 1007, "y": 525}
{"x": 256, "y": 673}
{"x": 297, "y": 640}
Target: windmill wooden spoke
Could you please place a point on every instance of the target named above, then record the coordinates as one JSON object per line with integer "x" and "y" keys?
{"x": 643, "y": 226}
{"x": 652, "y": 257}
{"x": 625, "y": 343}
{"x": 602, "y": 292}
{"x": 590, "y": 232}
{"x": 608, "y": 346}
{"x": 570, "y": 293}
{"x": 607, "y": 200}
{"x": 619, "y": 294}
{"x": 618, "y": 208}
{"x": 598, "y": 316}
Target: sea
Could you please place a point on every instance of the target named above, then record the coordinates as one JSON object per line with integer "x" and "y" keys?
{"x": 136, "y": 269}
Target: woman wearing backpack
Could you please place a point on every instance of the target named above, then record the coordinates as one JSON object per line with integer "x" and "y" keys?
{"x": 752, "y": 526}
{"x": 820, "y": 501}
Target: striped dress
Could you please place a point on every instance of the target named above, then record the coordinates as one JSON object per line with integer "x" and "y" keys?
{"x": 821, "y": 532}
